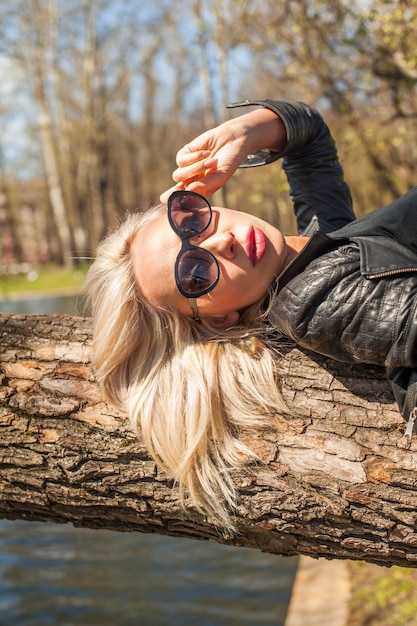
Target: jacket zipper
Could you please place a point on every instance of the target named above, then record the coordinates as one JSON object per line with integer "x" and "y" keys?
{"x": 410, "y": 423}
{"x": 401, "y": 270}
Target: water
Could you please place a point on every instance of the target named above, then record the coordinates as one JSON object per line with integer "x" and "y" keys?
{"x": 53, "y": 574}
{"x": 72, "y": 305}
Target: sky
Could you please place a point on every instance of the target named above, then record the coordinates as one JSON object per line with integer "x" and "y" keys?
{"x": 19, "y": 150}
{"x": 17, "y": 113}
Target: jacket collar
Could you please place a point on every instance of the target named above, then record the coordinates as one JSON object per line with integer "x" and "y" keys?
{"x": 384, "y": 256}
{"x": 379, "y": 256}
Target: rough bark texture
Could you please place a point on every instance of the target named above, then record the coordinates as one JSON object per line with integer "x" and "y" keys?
{"x": 338, "y": 478}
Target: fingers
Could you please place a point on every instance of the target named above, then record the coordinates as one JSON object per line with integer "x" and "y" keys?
{"x": 192, "y": 165}
{"x": 206, "y": 186}
{"x": 197, "y": 169}
{"x": 186, "y": 156}
{"x": 165, "y": 195}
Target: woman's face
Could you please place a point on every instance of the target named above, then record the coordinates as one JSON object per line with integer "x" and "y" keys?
{"x": 250, "y": 253}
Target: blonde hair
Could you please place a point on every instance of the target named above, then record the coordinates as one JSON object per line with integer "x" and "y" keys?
{"x": 188, "y": 389}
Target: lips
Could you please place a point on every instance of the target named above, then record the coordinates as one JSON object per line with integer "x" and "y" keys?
{"x": 255, "y": 245}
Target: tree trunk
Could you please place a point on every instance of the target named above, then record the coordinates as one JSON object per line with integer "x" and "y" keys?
{"x": 338, "y": 478}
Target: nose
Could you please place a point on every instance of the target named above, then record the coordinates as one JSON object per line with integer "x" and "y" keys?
{"x": 220, "y": 244}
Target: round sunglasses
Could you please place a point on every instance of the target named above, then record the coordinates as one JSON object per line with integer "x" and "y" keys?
{"x": 196, "y": 270}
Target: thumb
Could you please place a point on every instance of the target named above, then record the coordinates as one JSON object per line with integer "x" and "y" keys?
{"x": 163, "y": 198}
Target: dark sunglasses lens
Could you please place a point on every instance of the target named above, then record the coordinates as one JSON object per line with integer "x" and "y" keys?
{"x": 190, "y": 214}
{"x": 197, "y": 271}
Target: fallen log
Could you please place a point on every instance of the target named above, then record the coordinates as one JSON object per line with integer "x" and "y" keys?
{"x": 338, "y": 478}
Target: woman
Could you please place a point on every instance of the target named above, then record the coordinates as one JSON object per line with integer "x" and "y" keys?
{"x": 184, "y": 298}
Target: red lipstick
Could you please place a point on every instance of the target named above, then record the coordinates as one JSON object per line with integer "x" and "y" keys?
{"x": 255, "y": 245}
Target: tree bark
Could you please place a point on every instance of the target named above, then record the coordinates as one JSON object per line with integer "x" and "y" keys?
{"x": 337, "y": 480}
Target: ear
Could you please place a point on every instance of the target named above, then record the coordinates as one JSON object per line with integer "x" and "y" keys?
{"x": 231, "y": 319}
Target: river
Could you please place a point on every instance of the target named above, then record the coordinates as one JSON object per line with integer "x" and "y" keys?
{"x": 58, "y": 575}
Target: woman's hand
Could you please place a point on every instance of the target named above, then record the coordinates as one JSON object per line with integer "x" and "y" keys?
{"x": 208, "y": 161}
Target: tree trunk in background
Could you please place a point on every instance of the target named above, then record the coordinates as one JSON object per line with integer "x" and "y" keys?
{"x": 150, "y": 148}
{"x": 39, "y": 26}
{"x": 12, "y": 210}
{"x": 338, "y": 478}
{"x": 89, "y": 143}
{"x": 54, "y": 186}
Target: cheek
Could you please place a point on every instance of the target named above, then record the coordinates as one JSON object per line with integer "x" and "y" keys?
{"x": 240, "y": 289}
{"x": 242, "y": 294}
{"x": 257, "y": 289}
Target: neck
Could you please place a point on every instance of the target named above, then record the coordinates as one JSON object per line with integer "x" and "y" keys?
{"x": 294, "y": 245}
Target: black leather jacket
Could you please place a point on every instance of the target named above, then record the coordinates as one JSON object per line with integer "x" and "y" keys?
{"x": 350, "y": 294}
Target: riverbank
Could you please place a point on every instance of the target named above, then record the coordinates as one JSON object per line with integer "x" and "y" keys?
{"x": 352, "y": 593}
{"x": 382, "y": 596}
{"x": 320, "y": 594}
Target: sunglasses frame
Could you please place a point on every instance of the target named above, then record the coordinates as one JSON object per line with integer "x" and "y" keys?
{"x": 186, "y": 245}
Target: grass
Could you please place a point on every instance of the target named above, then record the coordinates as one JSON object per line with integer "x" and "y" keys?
{"x": 382, "y": 596}
{"x": 42, "y": 278}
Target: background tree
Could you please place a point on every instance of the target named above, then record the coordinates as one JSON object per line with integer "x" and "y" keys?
{"x": 120, "y": 86}
{"x": 359, "y": 64}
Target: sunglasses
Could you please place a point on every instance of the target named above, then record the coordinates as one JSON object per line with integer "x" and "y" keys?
{"x": 196, "y": 270}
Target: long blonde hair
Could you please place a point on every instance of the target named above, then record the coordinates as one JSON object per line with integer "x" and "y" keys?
{"x": 187, "y": 388}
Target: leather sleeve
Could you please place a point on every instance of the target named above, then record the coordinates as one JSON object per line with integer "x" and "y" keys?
{"x": 320, "y": 195}
{"x": 404, "y": 385}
